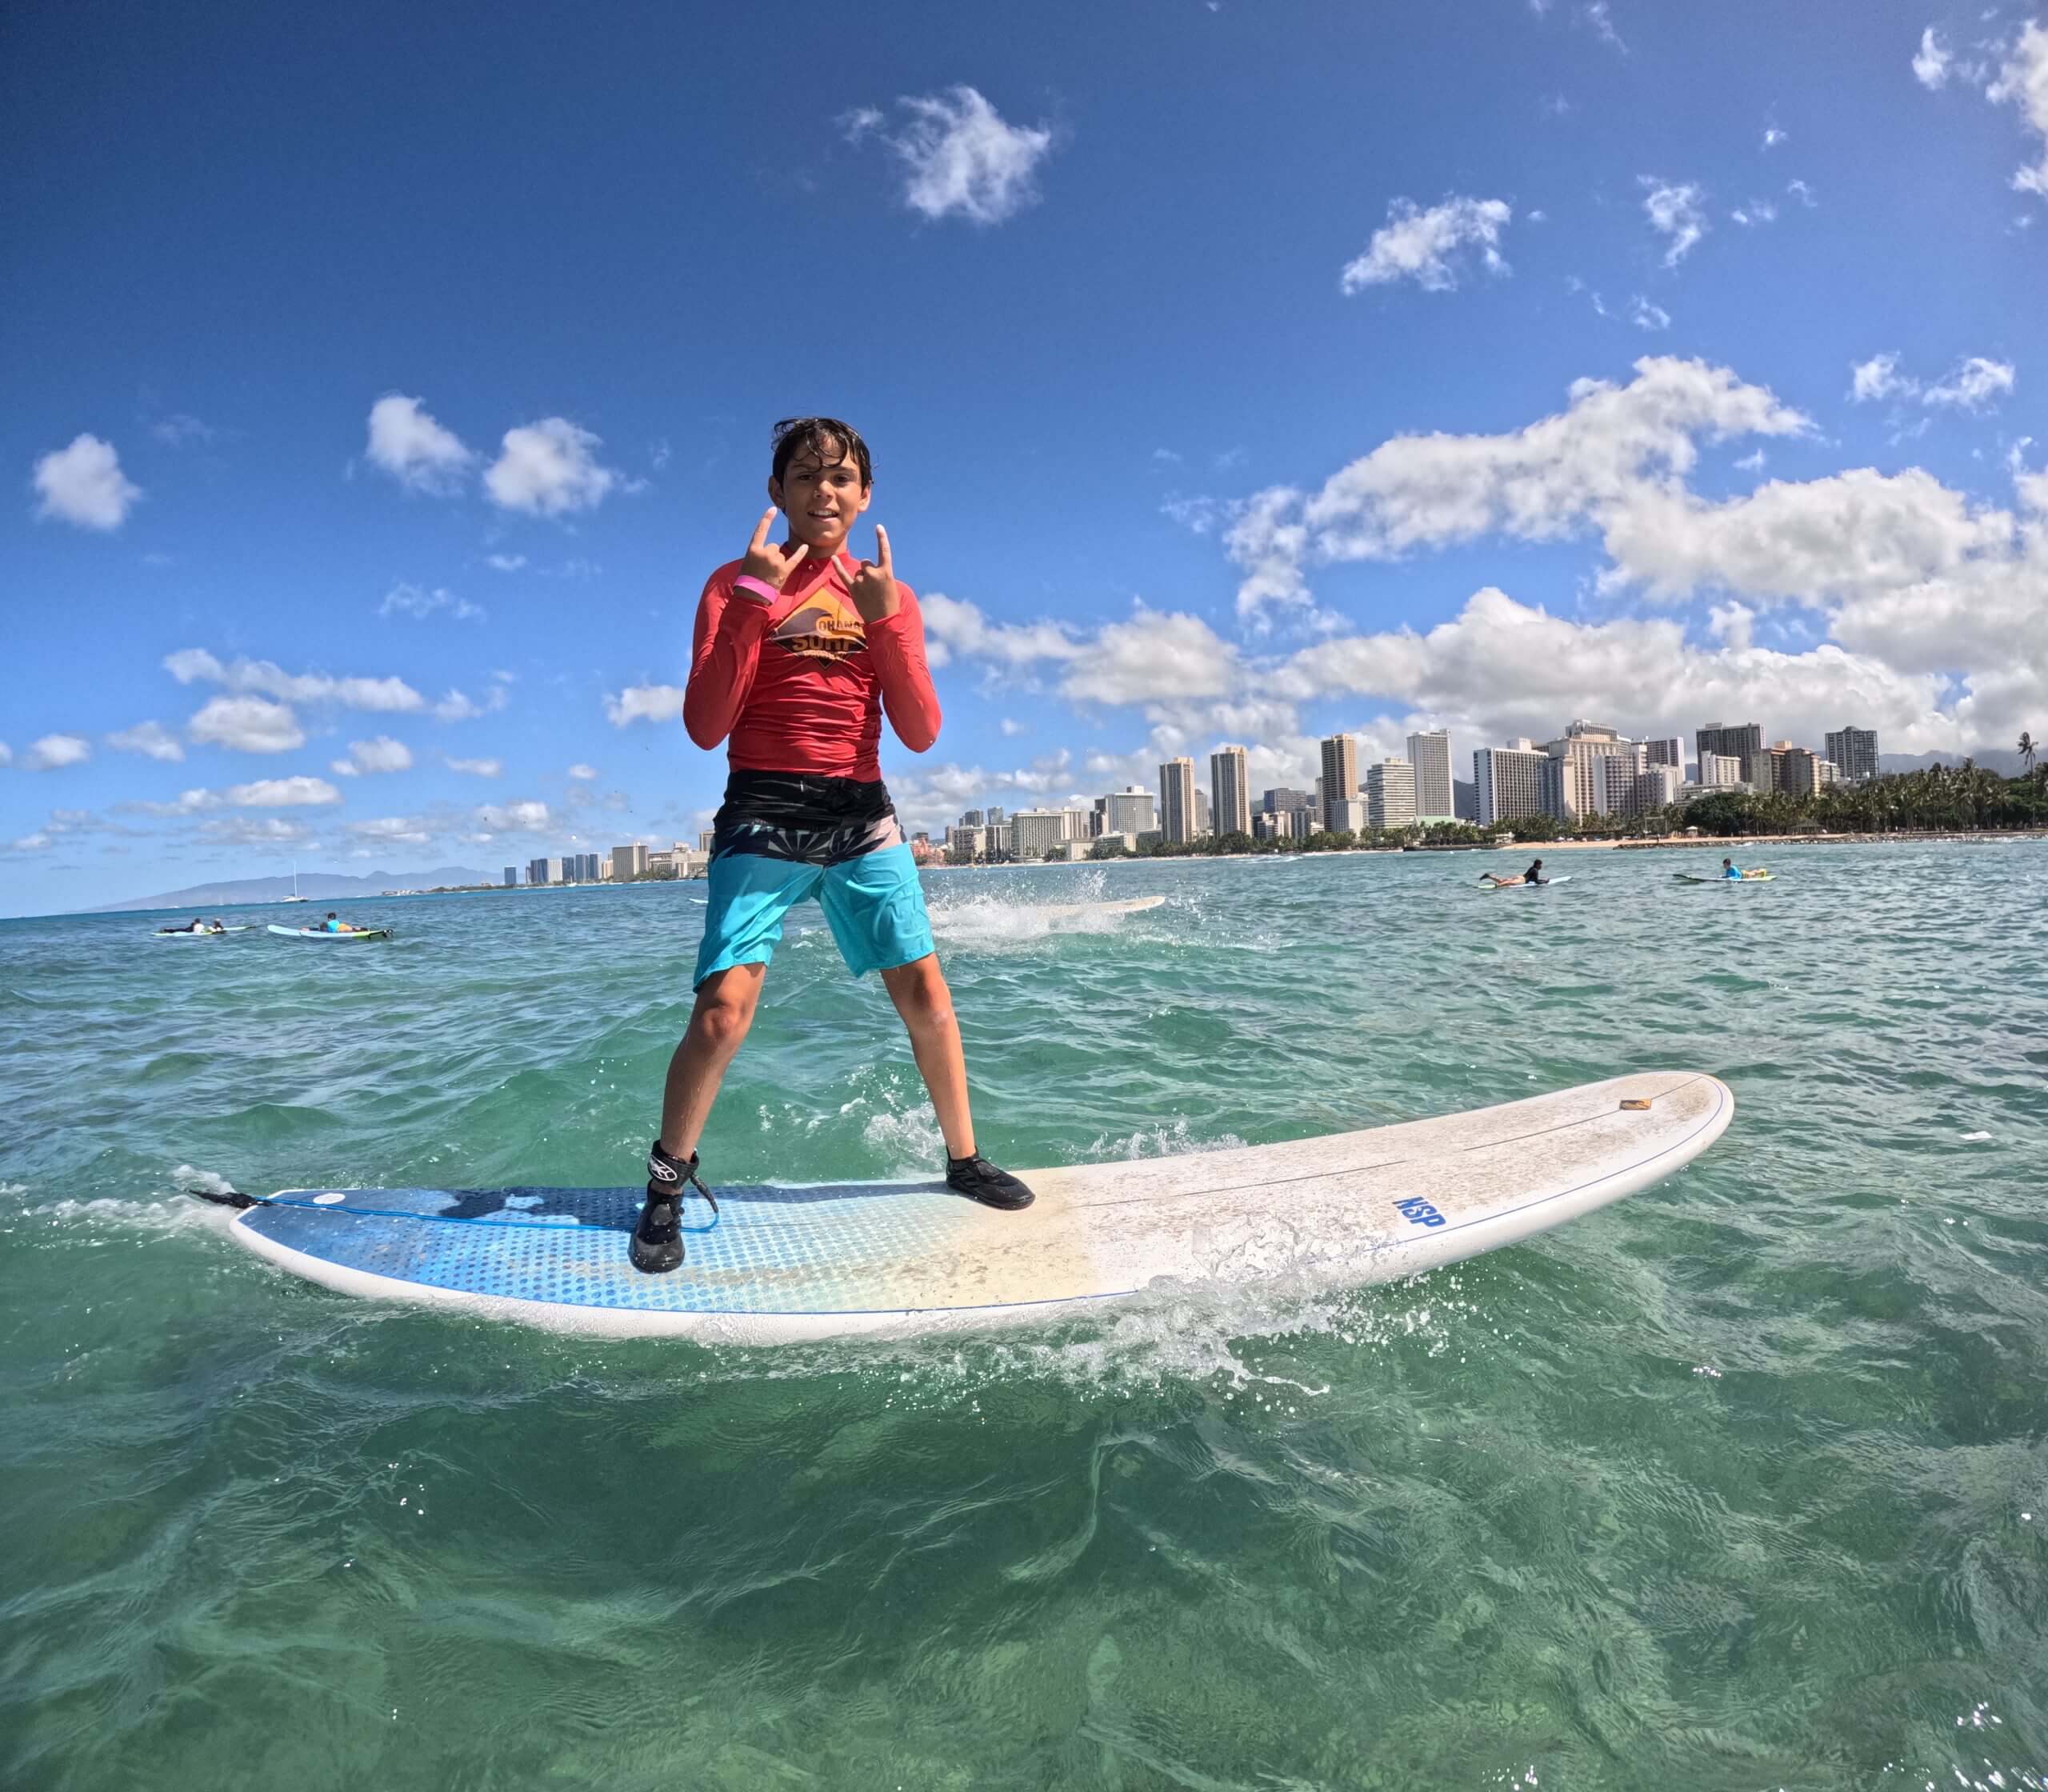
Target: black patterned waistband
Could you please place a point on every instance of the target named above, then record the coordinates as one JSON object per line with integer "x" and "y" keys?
{"x": 802, "y": 816}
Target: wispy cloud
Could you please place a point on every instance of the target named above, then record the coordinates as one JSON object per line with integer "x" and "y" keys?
{"x": 961, "y": 159}
{"x": 404, "y": 599}
{"x": 150, "y": 738}
{"x": 1674, "y": 211}
{"x": 1425, "y": 246}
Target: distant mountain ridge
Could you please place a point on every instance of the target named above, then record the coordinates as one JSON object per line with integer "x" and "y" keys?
{"x": 320, "y": 886}
{"x": 2000, "y": 760}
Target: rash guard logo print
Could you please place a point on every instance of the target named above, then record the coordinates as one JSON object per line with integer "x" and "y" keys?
{"x": 823, "y": 627}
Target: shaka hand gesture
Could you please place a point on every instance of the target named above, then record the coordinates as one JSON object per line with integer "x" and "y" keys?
{"x": 771, "y": 562}
{"x": 873, "y": 587}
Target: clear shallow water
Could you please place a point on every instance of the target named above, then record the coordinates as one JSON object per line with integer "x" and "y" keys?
{"x": 1741, "y": 1483}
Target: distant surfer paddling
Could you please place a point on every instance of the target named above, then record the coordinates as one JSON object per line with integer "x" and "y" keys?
{"x": 1534, "y": 875}
{"x": 800, "y": 648}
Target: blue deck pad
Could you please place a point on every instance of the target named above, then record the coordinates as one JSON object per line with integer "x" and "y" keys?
{"x": 775, "y": 1249}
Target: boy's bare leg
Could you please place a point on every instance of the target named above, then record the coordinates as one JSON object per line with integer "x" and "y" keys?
{"x": 718, "y": 1023}
{"x": 919, "y": 991}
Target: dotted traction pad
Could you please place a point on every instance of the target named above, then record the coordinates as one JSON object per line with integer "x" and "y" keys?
{"x": 772, "y": 1250}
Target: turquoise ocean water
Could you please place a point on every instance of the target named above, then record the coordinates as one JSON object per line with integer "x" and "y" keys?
{"x": 1742, "y": 1483}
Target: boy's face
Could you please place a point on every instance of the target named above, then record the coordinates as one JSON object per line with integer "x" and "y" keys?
{"x": 820, "y": 495}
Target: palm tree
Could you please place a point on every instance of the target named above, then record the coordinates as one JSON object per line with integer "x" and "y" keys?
{"x": 2026, "y": 750}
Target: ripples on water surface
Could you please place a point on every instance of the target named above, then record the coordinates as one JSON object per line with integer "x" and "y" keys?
{"x": 1741, "y": 1483}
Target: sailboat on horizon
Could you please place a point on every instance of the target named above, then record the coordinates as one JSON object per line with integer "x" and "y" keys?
{"x": 295, "y": 897}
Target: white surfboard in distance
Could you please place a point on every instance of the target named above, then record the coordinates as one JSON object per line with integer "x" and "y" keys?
{"x": 1074, "y": 911}
{"x": 785, "y": 1264}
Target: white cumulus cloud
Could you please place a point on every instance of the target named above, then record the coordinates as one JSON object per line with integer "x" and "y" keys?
{"x": 585, "y": 774}
{"x": 548, "y": 469}
{"x": 1974, "y": 384}
{"x": 513, "y": 818}
{"x": 251, "y": 830}
{"x": 1931, "y": 61}
{"x": 961, "y": 159}
{"x": 1424, "y": 246}
{"x": 477, "y": 768}
{"x": 247, "y": 724}
{"x": 395, "y": 831}
{"x": 644, "y": 703}
{"x": 151, "y": 738}
{"x": 53, "y": 752}
{"x": 195, "y": 665}
{"x": 1543, "y": 482}
{"x": 284, "y": 793}
{"x": 953, "y": 626}
{"x": 84, "y": 484}
{"x": 408, "y": 444}
{"x": 381, "y": 753}
{"x": 1878, "y": 378}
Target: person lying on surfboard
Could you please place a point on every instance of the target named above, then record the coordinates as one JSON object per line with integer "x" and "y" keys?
{"x": 331, "y": 925}
{"x": 1534, "y": 875}
{"x": 800, "y": 649}
{"x": 1735, "y": 873}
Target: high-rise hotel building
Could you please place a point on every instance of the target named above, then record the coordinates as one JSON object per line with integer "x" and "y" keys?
{"x": 1743, "y": 741}
{"x": 1430, "y": 754}
{"x": 1340, "y": 778}
{"x": 1230, "y": 791}
{"x": 1511, "y": 780}
{"x": 1390, "y": 794}
{"x": 1854, "y": 752}
{"x": 1177, "y": 816}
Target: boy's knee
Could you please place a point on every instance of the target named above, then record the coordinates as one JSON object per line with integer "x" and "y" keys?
{"x": 722, "y": 1018}
{"x": 929, "y": 1001}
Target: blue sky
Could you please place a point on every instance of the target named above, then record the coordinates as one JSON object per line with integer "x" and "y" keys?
{"x": 1233, "y": 374}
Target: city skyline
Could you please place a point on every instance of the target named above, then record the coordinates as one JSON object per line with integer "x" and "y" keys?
{"x": 1588, "y": 771}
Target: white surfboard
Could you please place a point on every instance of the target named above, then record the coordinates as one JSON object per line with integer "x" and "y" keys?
{"x": 786, "y": 1264}
{"x": 1074, "y": 911}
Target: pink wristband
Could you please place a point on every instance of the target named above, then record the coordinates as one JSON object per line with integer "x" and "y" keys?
{"x": 756, "y": 588}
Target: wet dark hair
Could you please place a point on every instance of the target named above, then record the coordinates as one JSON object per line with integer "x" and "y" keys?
{"x": 832, "y": 440}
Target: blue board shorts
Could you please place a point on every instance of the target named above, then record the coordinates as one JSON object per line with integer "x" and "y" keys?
{"x": 782, "y": 837}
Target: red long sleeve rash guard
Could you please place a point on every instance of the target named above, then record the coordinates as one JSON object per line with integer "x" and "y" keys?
{"x": 800, "y": 685}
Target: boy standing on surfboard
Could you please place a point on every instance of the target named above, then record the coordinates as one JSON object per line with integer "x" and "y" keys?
{"x": 800, "y": 648}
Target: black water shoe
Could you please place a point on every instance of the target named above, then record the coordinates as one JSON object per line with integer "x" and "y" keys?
{"x": 979, "y": 1180}
{"x": 657, "y": 1239}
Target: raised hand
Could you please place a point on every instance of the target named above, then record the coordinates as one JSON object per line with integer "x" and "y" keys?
{"x": 771, "y": 562}
{"x": 873, "y": 587}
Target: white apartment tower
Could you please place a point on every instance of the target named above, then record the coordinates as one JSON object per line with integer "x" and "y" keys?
{"x": 1582, "y": 784}
{"x": 1510, "y": 781}
{"x": 1390, "y": 794}
{"x": 1430, "y": 754}
{"x": 1229, "y": 788}
{"x": 1177, "y": 819}
{"x": 1854, "y": 752}
{"x": 1128, "y": 811}
{"x": 1339, "y": 783}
